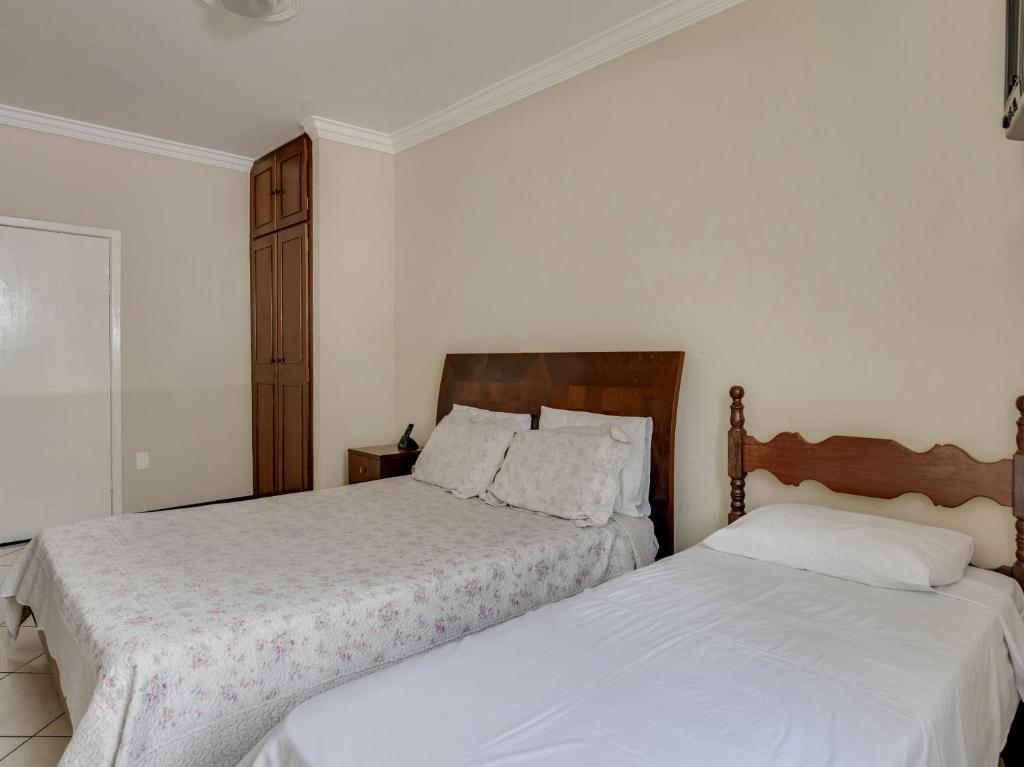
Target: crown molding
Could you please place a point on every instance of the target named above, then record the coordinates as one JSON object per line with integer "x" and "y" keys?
{"x": 332, "y": 130}
{"x": 634, "y": 33}
{"x": 662, "y": 20}
{"x": 62, "y": 126}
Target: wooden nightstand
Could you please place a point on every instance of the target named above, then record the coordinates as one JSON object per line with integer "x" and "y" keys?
{"x": 379, "y": 462}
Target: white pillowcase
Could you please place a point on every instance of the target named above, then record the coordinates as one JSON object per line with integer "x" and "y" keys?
{"x": 633, "y": 499}
{"x": 571, "y": 473}
{"x": 523, "y": 420}
{"x": 463, "y": 454}
{"x": 856, "y": 547}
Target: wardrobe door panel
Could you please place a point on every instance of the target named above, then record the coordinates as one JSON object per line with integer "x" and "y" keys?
{"x": 293, "y": 282}
{"x": 263, "y": 183}
{"x": 264, "y": 312}
{"x": 294, "y": 437}
{"x": 263, "y": 267}
{"x": 292, "y": 199}
{"x": 264, "y": 438}
{"x": 293, "y": 358}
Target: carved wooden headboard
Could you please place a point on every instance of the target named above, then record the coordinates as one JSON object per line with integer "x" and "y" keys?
{"x": 612, "y": 383}
{"x": 879, "y": 468}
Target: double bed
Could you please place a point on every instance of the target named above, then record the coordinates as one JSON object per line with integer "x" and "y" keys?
{"x": 181, "y": 637}
{"x": 710, "y": 658}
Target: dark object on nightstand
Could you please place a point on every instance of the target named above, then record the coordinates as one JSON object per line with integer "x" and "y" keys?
{"x": 379, "y": 462}
{"x": 407, "y": 442}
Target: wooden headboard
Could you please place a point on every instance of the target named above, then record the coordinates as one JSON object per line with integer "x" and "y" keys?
{"x": 879, "y": 468}
{"x": 612, "y": 383}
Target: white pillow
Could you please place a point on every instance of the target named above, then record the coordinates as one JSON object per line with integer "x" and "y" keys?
{"x": 523, "y": 420}
{"x": 856, "y": 547}
{"x": 463, "y": 455}
{"x": 635, "y": 485}
{"x": 571, "y": 473}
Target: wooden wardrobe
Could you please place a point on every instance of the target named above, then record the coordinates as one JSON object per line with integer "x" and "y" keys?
{"x": 281, "y": 287}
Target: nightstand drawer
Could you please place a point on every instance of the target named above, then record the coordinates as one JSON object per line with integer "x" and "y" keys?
{"x": 362, "y": 469}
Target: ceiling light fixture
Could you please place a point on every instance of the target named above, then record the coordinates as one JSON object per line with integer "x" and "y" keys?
{"x": 259, "y": 10}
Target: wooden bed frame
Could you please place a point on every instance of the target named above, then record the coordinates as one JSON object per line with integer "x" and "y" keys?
{"x": 879, "y": 468}
{"x": 612, "y": 383}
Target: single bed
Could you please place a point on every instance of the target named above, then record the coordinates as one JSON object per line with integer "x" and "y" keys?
{"x": 181, "y": 637}
{"x": 708, "y": 658}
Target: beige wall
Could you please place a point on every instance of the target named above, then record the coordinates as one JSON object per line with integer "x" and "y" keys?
{"x": 353, "y": 304}
{"x": 185, "y": 297}
{"x": 811, "y": 197}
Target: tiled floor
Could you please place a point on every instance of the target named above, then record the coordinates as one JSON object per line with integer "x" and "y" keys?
{"x": 34, "y": 730}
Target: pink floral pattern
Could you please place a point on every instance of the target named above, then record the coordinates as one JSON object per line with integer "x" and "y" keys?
{"x": 572, "y": 472}
{"x": 464, "y": 452}
{"x": 205, "y": 626}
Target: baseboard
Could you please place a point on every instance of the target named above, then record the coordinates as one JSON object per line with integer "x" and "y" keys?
{"x": 202, "y": 503}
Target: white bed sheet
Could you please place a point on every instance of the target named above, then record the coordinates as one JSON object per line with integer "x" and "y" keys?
{"x": 701, "y": 660}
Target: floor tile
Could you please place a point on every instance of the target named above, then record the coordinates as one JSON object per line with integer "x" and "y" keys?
{"x": 26, "y": 648}
{"x": 39, "y": 665}
{"x": 7, "y": 745}
{"x": 28, "y": 702}
{"x": 60, "y": 726}
{"x": 37, "y": 752}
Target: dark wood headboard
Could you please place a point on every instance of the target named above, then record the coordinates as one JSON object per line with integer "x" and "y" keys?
{"x": 612, "y": 383}
{"x": 879, "y": 468}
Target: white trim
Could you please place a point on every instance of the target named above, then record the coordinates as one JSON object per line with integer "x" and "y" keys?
{"x": 332, "y": 130}
{"x": 645, "y": 28}
{"x": 63, "y": 126}
{"x": 113, "y": 237}
{"x": 116, "y": 468}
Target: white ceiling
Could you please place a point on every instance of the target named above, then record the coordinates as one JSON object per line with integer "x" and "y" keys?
{"x": 179, "y": 70}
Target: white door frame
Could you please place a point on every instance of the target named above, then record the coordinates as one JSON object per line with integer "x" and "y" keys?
{"x": 113, "y": 237}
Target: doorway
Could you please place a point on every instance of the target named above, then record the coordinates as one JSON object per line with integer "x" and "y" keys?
{"x": 60, "y": 375}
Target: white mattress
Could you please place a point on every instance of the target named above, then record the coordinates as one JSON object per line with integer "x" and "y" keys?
{"x": 701, "y": 660}
{"x": 183, "y": 636}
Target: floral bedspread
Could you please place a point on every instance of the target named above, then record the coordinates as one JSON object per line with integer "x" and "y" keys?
{"x": 199, "y": 629}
